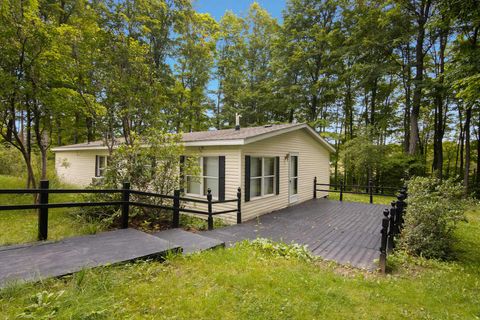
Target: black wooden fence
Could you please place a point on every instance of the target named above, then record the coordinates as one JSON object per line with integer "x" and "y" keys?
{"x": 371, "y": 190}
{"x": 392, "y": 224}
{"x": 178, "y": 204}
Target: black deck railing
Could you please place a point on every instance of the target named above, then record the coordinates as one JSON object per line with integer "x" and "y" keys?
{"x": 371, "y": 190}
{"x": 178, "y": 204}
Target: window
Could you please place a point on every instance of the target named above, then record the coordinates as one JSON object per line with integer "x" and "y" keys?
{"x": 100, "y": 165}
{"x": 262, "y": 176}
{"x": 208, "y": 178}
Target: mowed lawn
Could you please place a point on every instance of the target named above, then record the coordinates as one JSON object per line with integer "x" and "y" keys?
{"x": 248, "y": 283}
{"x": 21, "y": 226}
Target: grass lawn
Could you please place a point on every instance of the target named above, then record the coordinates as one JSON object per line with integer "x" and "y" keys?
{"x": 248, "y": 283}
{"x": 361, "y": 198}
{"x": 21, "y": 225}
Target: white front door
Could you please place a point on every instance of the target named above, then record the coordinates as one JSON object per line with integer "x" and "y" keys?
{"x": 293, "y": 177}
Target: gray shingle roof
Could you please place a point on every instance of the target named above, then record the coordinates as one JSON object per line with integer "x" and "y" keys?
{"x": 230, "y": 134}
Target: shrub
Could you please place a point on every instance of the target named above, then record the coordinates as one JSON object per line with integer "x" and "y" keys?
{"x": 279, "y": 249}
{"x": 434, "y": 208}
{"x": 149, "y": 164}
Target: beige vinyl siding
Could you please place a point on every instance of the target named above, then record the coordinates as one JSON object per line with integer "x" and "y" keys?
{"x": 232, "y": 178}
{"x": 77, "y": 167}
{"x": 313, "y": 160}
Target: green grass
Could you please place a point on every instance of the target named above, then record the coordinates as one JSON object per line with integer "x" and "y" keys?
{"x": 365, "y": 198}
{"x": 249, "y": 283}
{"x": 21, "y": 226}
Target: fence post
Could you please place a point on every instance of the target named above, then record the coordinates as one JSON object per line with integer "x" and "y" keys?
{"x": 176, "y": 209}
{"x": 393, "y": 217}
{"x": 391, "y": 229}
{"x": 315, "y": 188}
{"x": 383, "y": 244}
{"x": 400, "y": 210}
{"x": 239, "y": 205}
{"x": 43, "y": 211}
{"x": 210, "y": 211}
{"x": 341, "y": 190}
{"x": 125, "y": 205}
{"x": 370, "y": 190}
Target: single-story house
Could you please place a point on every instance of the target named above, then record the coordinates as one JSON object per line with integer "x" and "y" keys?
{"x": 274, "y": 164}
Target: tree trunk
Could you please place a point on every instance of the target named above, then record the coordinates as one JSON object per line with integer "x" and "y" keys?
{"x": 439, "y": 126}
{"x": 419, "y": 66}
{"x": 468, "y": 117}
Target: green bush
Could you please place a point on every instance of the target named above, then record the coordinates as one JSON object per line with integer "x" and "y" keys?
{"x": 150, "y": 164}
{"x": 434, "y": 208}
{"x": 11, "y": 160}
{"x": 279, "y": 249}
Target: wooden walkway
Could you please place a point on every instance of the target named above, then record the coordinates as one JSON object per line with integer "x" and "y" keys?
{"x": 49, "y": 259}
{"x": 345, "y": 232}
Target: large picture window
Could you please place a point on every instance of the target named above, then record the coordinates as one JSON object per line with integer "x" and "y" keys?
{"x": 199, "y": 185}
{"x": 262, "y": 176}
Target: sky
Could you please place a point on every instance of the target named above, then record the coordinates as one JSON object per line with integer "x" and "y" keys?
{"x": 218, "y": 7}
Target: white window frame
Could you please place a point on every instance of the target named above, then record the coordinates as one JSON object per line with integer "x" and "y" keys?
{"x": 262, "y": 178}
{"x": 202, "y": 178}
{"x": 98, "y": 170}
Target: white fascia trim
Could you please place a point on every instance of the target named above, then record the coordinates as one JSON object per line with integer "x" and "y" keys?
{"x": 208, "y": 143}
{"x": 79, "y": 149}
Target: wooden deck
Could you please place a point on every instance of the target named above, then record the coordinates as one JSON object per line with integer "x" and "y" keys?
{"x": 345, "y": 232}
{"x": 50, "y": 259}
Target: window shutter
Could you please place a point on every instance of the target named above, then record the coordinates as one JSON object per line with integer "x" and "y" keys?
{"x": 182, "y": 174}
{"x": 277, "y": 175}
{"x": 96, "y": 166}
{"x": 221, "y": 178}
{"x": 247, "y": 178}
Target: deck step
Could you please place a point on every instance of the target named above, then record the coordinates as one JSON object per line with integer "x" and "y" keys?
{"x": 52, "y": 259}
{"x": 189, "y": 241}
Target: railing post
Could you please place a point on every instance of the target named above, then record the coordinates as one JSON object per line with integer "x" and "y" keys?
{"x": 370, "y": 190}
{"x": 391, "y": 228}
{"x": 393, "y": 217}
{"x": 400, "y": 210}
{"x": 239, "y": 205}
{"x": 341, "y": 190}
{"x": 43, "y": 211}
{"x": 125, "y": 205}
{"x": 315, "y": 188}
{"x": 210, "y": 210}
{"x": 383, "y": 243}
{"x": 176, "y": 209}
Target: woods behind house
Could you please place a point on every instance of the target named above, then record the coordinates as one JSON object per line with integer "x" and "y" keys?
{"x": 394, "y": 85}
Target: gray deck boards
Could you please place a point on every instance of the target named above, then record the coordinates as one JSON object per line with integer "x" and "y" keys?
{"x": 51, "y": 259}
{"x": 345, "y": 232}
{"x": 189, "y": 241}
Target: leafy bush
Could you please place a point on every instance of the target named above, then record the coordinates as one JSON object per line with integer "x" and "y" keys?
{"x": 279, "y": 249}
{"x": 11, "y": 160}
{"x": 149, "y": 164}
{"x": 434, "y": 208}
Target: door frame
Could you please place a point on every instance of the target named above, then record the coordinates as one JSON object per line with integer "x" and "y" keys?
{"x": 292, "y": 198}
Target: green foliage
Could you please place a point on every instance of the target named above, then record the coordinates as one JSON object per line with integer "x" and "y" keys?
{"x": 12, "y": 163}
{"x": 149, "y": 164}
{"x": 279, "y": 249}
{"x": 434, "y": 209}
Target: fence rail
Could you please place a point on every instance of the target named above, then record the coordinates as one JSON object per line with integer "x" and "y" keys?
{"x": 125, "y": 203}
{"x": 342, "y": 189}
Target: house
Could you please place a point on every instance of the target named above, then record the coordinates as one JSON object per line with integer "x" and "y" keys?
{"x": 274, "y": 164}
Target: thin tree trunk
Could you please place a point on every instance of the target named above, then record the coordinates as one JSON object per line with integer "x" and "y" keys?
{"x": 468, "y": 117}
{"x": 419, "y": 66}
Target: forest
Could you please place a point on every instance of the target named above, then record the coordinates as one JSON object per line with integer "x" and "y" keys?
{"x": 394, "y": 85}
